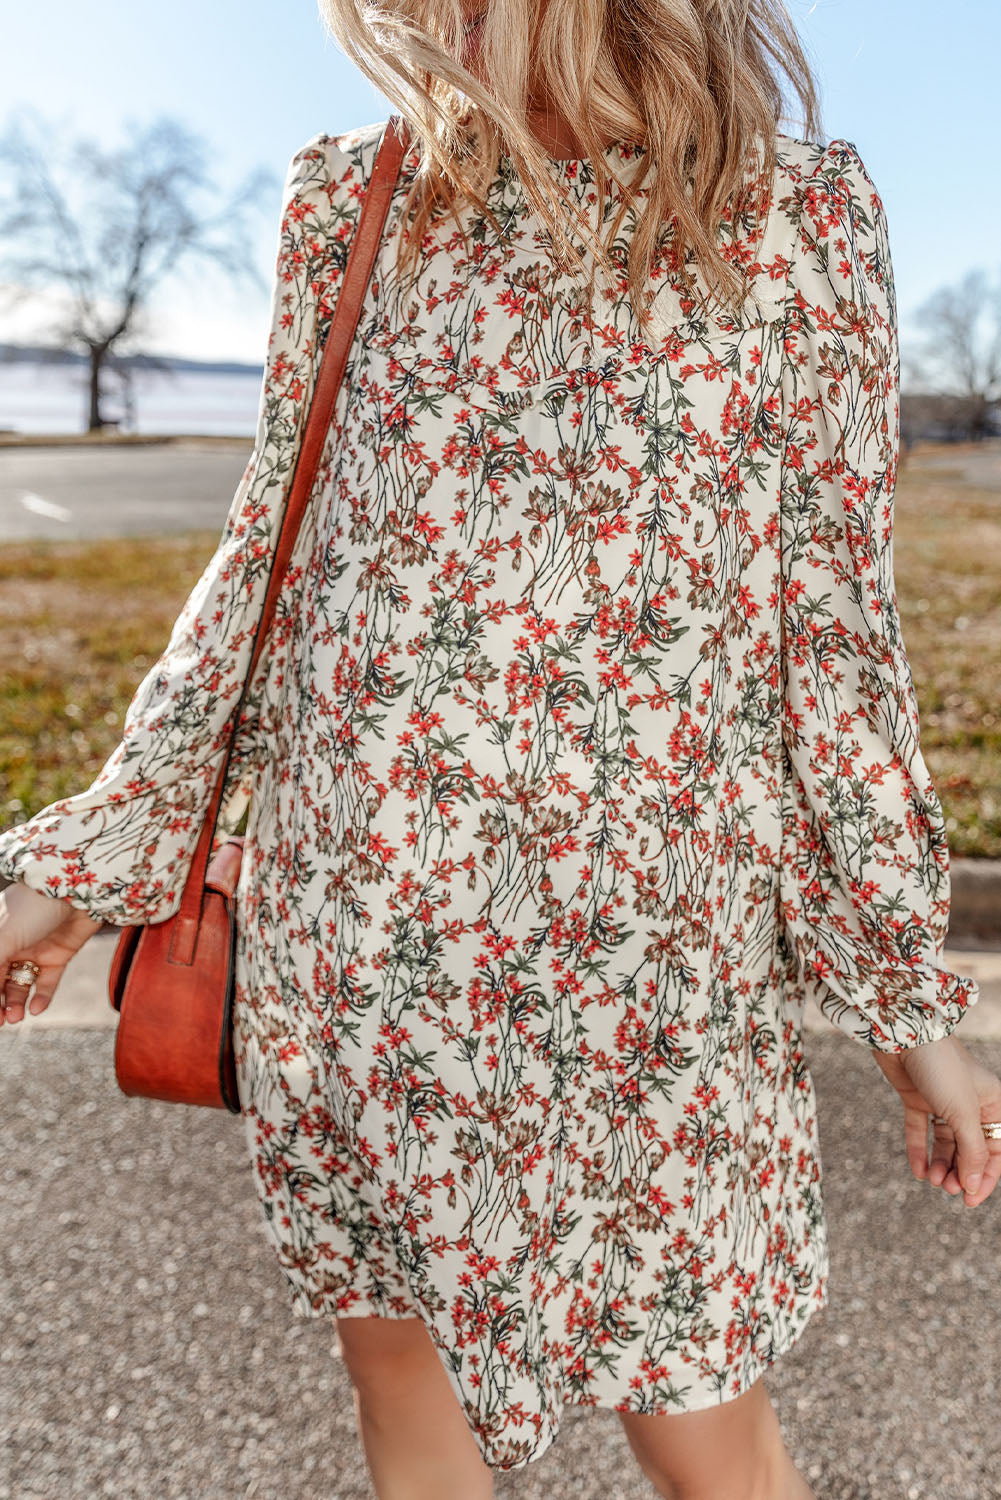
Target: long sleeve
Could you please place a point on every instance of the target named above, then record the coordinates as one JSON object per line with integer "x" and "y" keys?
{"x": 121, "y": 849}
{"x": 865, "y": 883}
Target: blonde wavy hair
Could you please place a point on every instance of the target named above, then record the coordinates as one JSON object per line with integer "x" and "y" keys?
{"x": 697, "y": 83}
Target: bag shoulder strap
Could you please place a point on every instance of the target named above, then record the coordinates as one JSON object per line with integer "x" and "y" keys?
{"x": 333, "y": 361}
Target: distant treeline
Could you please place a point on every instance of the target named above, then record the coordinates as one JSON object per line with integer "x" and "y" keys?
{"x": 45, "y": 354}
{"x": 948, "y": 419}
{"x": 943, "y": 419}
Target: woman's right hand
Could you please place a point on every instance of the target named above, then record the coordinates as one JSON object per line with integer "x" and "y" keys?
{"x": 44, "y": 929}
{"x": 943, "y": 1078}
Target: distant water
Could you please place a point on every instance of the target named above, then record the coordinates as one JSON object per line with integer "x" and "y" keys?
{"x": 53, "y": 398}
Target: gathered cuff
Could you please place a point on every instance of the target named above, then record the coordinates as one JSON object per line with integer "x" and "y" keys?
{"x": 31, "y": 853}
{"x": 887, "y": 1004}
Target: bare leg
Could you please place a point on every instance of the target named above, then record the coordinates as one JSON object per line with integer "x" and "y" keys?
{"x": 416, "y": 1439}
{"x": 733, "y": 1451}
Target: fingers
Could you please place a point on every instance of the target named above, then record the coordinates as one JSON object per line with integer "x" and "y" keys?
{"x": 49, "y": 976}
{"x": 916, "y": 1141}
{"x": 950, "y": 1170}
{"x": 943, "y": 1155}
{"x": 991, "y": 1175}
{"x": 972, "y": 1154}
{"x": 14, "y": 997}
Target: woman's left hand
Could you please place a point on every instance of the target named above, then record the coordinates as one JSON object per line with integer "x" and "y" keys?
{"x": 943, "y": 1078}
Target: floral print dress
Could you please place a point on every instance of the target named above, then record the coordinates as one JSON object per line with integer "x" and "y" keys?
{"x": 583, "y": 750}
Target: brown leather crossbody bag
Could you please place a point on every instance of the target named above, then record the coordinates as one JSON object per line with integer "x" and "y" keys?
{"x": 172, "y": 981}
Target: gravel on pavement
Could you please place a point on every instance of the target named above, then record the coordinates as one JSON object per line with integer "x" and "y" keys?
{"x": 148, "y": 1349}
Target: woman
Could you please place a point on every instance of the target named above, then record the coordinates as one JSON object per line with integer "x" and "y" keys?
{"x": 584, "y": 750}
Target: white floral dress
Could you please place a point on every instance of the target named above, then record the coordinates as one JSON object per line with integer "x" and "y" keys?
{"x": 584, "y": 748}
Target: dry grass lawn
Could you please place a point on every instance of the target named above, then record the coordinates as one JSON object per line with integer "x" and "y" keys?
{"x": 947, "y": 542}
{"x": 81, "y": 624}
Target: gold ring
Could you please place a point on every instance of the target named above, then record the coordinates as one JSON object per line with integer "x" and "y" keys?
{"x": 22, "y": 971}
{"x": 991, "y": 1128}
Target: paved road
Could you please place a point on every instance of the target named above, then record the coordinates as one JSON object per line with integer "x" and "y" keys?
{"x": 73, "y": 491}
{"x": 149, "y": 1349}
{"x": 81, "y": 491}
{"x": 979, "y": 466}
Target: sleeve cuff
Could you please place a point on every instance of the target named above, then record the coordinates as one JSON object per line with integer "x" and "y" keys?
{"x": 888, "y": 1007}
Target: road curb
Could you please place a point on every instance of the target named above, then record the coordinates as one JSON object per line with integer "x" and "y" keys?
{"x": 975, "y": 916}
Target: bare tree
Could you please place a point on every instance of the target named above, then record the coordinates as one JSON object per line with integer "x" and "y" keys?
{"x": 960, "y": 353}
{"x": 127, "y": 220}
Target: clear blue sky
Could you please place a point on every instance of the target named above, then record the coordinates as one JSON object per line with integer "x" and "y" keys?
{"x": 911, "y": 82}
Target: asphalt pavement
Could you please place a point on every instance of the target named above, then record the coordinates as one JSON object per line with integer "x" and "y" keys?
{"x": 75, "y": 491}
{"x": 149, "y": 1349}
{"x": 978, "y": 465}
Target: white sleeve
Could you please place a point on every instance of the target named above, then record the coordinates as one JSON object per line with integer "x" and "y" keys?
{"x": 865, "y": 880}
{"x": 121, "y": 849}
